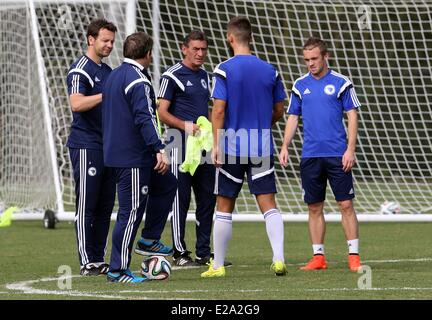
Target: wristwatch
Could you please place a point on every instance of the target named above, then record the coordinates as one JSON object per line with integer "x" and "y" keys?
{"x": 161, "y": 151}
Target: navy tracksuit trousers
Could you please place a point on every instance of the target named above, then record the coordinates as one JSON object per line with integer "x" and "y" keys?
{"x": 202, "y": 183}
{"x": 139, "y": 190}
{"x": 95, "y": 196}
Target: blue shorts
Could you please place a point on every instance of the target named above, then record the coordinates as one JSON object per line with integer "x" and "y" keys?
{"x": 259, "y": 171}
{"x": 314, "y": 175}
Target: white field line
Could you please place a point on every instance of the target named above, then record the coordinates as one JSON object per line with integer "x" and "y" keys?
{"x": 189, "y": 291}
{"x": 25, "y": 287}
{"x": 398, "y": 260}
{"x": 185, "y": 268}
{"x": 372, "y": 261}
{"x": 370, "y": 289}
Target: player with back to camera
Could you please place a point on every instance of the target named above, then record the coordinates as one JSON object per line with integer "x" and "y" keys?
{"x": 133, "y": 147}
{"x": 94, "y": 183}
{"x": 248, "y": 99}
{"x": 320, "y": 98}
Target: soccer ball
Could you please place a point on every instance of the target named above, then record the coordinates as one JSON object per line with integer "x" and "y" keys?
{"x": 156, "y": 268}
{"x": 390, "y": 207}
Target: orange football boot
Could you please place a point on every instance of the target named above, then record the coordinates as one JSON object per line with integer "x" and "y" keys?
{"x": 317, "y": 262}
{"x": 354, "y": 262}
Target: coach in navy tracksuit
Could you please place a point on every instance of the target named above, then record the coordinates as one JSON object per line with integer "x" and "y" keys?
{"x": 94, "y": 184}
{"x": 184, "y": 96}
{"x": 132, "y": 146}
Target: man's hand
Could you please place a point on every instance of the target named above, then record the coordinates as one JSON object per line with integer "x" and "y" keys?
{"x": 192, "y": 128}
{"x": 162, "y": 164}
{"x": 216, "y": 157}
{"x": 348, "y": 160}
{"x": 290, "y": 130}
{"x": 283, "y": 156}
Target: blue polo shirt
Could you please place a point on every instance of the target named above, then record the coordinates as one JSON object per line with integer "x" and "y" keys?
{"x": 188, "y": 90}
{"x": 251, "y": 87}
{"x": 321, "y": 104}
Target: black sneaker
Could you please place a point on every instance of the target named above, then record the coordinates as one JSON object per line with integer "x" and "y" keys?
{"x": 205, "y": 261}
{"x": 184, "y": 260}
{"x": 94, "y": 269}
{"x": 104, "y": 268}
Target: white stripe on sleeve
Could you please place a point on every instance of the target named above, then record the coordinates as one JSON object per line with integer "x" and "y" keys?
{"x": 354, "y": 98}
{"x": 163, "y": 87}
{"x": 297, "y": 92}
{"x": 342, "y": 89}
{"x": 76, "y": 70}
{"x": 134, "y": 83}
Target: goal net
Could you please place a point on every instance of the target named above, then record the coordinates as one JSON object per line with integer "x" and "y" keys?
{"x": 25, "y": 172}
{"x": 384, "y": 47}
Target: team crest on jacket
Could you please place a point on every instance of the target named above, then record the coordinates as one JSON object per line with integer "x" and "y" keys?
{"x": 329, "y": 89}
{"x": 144, "y": 190}
{"x": 92, "y": 171}
{"x": 204, "y": 84}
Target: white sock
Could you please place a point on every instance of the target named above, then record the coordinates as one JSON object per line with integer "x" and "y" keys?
{"x": 353, "y": 246}
{"x": 275, "y": 233}
{"x": 318, "y": 249}
{"x": 222, "y": 232}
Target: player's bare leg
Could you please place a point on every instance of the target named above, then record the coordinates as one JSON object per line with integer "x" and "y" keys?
{"x": 350, "y": 226}
{"x": 266, "y": 202}
{"x": 225, "y": 204}
{"x": 317, "y": 228}
{"x": 349, "y": 219}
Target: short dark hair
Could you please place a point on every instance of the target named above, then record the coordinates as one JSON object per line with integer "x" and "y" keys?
{"x": 96, "y": 25}
{"x": 314, "y": 42}
{"x": 137, "y": 45}
{"x": 194, "y": 35}
{"x": 241, "y": 28}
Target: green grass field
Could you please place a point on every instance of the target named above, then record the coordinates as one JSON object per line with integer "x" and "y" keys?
{"x": 399, "y": 256}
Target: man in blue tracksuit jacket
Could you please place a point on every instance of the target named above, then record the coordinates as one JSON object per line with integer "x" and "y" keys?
{"x": 133, "y": 147}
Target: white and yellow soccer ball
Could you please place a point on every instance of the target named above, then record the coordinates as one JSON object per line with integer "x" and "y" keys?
{"x": 390, "y": 207}
{"x": 156, "y": 268}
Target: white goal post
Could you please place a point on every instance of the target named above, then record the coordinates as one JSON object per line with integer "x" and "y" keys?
{"x": 384, "y": 47}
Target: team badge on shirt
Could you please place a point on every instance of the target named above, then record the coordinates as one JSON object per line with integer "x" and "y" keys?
{"x": 92, "y": 171}
{"x": 329, "y": 89}
{"x": 204, "y": 84}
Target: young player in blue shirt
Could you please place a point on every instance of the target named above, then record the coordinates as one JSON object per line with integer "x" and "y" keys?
{"x": 184, "y": 97}
{"x": 94, "y": 183}
{"x": 320, "y": 98}
{"x": 134, "y": 149}
{"x": 248, "y": 99}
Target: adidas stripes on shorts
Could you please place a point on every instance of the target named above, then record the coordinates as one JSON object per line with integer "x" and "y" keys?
{"x": 259, "y": 171}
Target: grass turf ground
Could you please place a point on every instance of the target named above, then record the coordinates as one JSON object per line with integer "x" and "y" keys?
{"x": 399, "y": 256}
